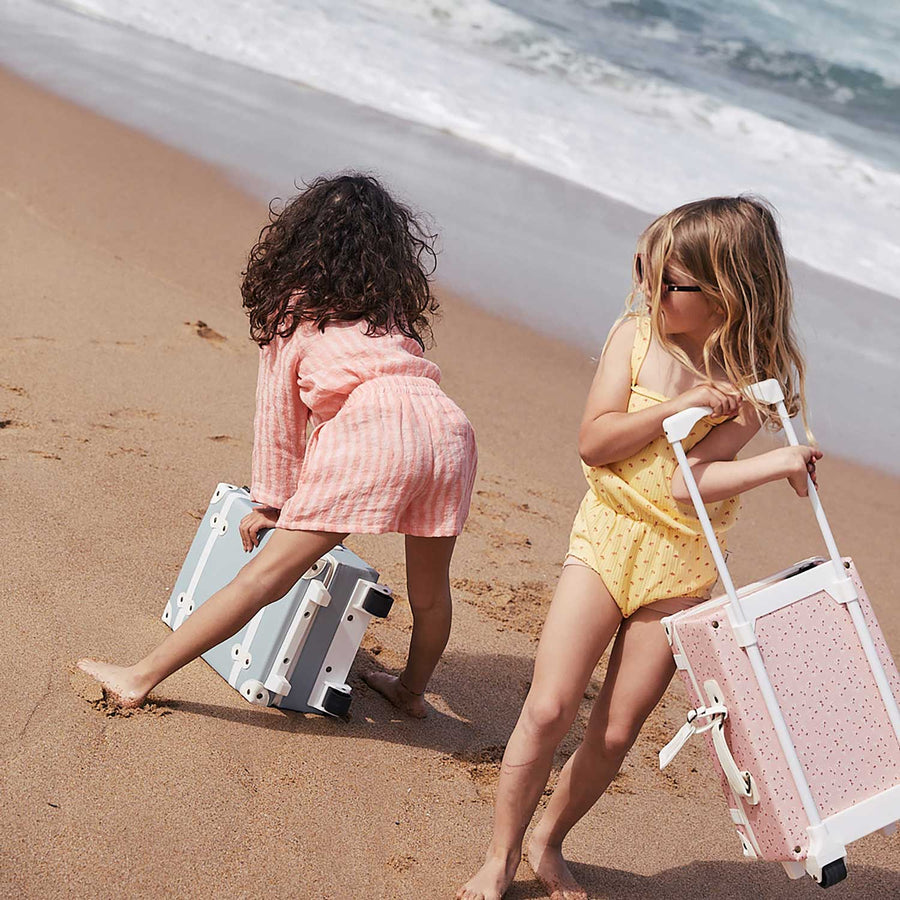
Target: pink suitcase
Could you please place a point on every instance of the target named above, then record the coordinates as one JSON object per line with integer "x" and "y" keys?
{"x": 797, "y": 695}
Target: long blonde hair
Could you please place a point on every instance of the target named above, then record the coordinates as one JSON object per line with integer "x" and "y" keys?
{"x": 731, "y": 248}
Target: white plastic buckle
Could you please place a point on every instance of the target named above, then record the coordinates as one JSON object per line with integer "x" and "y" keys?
{"x": 684, "y": 734}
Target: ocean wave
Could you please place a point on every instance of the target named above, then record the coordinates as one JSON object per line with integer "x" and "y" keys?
{"x": 515, "y": 83}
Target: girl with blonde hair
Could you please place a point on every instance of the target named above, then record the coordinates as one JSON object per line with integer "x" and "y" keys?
{"x": 710, "y": 313}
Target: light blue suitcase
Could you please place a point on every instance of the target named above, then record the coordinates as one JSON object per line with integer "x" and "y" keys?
{"x": 294, "y": 653}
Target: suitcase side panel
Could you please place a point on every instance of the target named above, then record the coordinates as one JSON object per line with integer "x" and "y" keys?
{"x": 221, "y": 561}
{"x": 173, "y": 614}
{"x": 778, "y": 821}
{"x": 815, "y": 662}
{"x": 829, "y": 699}
{"x": 349, "y": 569}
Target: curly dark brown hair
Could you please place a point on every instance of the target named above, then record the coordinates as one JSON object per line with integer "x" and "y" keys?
{"x": 341, "y": 250}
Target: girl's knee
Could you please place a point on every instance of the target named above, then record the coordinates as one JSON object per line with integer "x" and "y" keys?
{"x": 262, "y": 583}
{"x": 430, "y": 601}
{"x": 548, "y": 717}
{"x": 615, "y": 739}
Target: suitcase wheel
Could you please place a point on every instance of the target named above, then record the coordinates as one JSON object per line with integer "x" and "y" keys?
{"x": 377, "y": 604}
{"x": 833, "y": 873}
{"x": 336, "y": 703}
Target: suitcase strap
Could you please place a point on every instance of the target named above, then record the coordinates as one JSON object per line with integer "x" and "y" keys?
{"x": 742, "y": 782}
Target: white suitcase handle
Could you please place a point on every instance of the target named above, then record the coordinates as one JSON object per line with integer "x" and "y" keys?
{"x": 678, "y": 426}
{"x": 742, "y": 782}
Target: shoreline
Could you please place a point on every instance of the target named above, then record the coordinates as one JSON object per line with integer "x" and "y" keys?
{"x": 122, "y": 413}
{"x": 522, "y": 243}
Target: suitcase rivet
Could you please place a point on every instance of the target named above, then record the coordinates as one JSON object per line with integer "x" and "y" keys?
{"x": 797, "y": 849}
{"x": 846, "y": 565}
{"x": 306, "y": 614}
{"x": 349, "y": 618}
{"x": 327, "y": 668}
{"x": 715, "y": 624}
{"x": 286, "y": 660}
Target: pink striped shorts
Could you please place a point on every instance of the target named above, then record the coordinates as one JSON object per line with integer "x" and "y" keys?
{"x": 399, "y": 456}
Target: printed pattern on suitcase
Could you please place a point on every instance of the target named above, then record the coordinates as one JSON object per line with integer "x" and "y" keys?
{"x": 818, "y": 672}
{"x": 296, "y": 652}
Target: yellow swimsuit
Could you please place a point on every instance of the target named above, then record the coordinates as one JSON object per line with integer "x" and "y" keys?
{"x": 629, "y": 529}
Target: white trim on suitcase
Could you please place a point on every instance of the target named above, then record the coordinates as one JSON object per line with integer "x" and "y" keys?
{"x": 344, "y": 645}
{"x": 783, "y": 593}
{"x": 185, "y": 605}
{"x": 279, "y": 679}
{"x": 241, "y": 651}
{"x": 865, "y": 817}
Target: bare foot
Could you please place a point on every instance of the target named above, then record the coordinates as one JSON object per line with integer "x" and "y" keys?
{"x": 551, "y": 870}
{"x": 119, "y": 685}
{"x": 492, "y": 879}
{"x": 390, "y": 687}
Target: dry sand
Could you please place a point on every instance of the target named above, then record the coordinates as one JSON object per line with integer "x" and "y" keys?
{"x": 126, "y": 394}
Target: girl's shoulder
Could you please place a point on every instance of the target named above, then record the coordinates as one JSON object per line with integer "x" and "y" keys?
{"x": 622, "y": 337}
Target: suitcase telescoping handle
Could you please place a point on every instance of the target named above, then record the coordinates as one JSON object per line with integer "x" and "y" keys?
{"x": 679, "y": 426}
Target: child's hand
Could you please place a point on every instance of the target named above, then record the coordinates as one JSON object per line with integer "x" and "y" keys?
{"x": 800, "y": 462}
{"x": 255, "y": 522}
{"x": 719, "y": 396}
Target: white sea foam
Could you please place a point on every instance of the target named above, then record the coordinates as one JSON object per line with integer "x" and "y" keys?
{"x": 479, "y": 70}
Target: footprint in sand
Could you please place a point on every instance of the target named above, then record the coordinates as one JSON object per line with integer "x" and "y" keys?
{"x": 13, "y": 389}
{"x": 482, "y": 766}
{"x": 208, "y": 334}
{"x": 44, "y": 454}
{"x": 128, "y": 412}
{"x": 123, "y": 451}
{"x": 87, "y": 689}
{"x": 400, "y": 861}
{"x": 106, "y": 343}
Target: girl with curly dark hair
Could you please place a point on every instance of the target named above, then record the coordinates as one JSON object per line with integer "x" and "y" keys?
{"x": 339, "y": 301}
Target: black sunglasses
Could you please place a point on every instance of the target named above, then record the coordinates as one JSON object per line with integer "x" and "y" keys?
{"x": 639, "y": 272}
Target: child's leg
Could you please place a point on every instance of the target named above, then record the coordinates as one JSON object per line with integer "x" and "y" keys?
{"x": 640, "y": 669}
{"x": 583, "y": 618}
{"x": 266, "y": 578}
{"x": 428, "y": 587}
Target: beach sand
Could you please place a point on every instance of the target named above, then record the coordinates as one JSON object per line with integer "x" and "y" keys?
{"x": 126, "y": 393}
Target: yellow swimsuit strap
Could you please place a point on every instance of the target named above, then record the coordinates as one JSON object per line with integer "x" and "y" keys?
{"x": 640, "y": 347}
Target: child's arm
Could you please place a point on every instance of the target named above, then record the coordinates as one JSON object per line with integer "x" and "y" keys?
{"x": 279, "y": 427}
{"x": 608, "y": 431}
{"x": 719, "y": 475}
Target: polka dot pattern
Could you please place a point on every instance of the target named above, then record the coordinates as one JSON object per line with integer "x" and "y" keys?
{"x": 827, "y": 695}
{"x": 630, "y": 530}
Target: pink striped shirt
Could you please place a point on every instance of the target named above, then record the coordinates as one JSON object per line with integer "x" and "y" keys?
{"x": 305, "y": 380}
